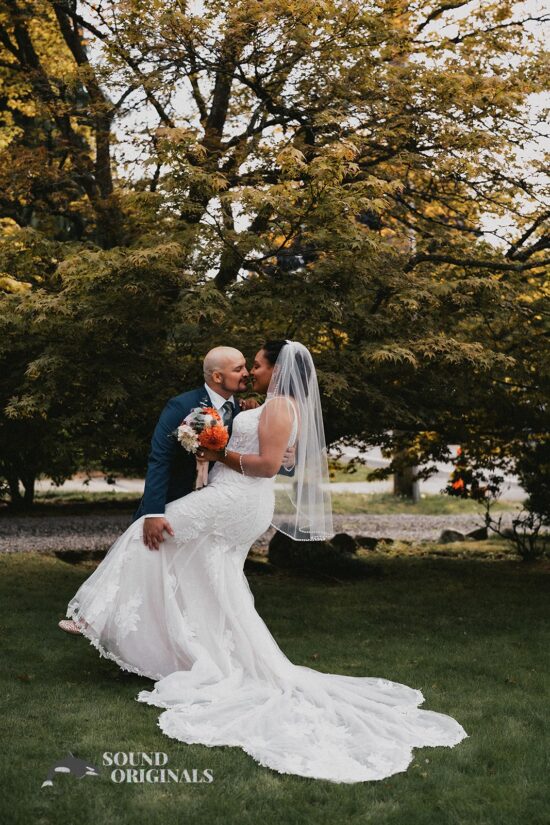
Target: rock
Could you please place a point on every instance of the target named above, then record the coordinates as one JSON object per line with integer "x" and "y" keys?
{"x": 77, "y": 556}
{"x": 344, "y": 543}
{"x": 477, "y": 535}
{"x": 448, "y": 536}
{"x": 368, "y": 542}
{"x": 285, "y": 552}
{"x": 316, "y": 557}
{"x": 256, "y": 566}
{"x": 94, "y": 530}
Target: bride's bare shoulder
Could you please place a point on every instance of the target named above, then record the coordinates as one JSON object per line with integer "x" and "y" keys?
{"x": 280, "y": 407}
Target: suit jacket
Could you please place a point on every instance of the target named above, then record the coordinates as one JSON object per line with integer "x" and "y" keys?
{"x": 171, "y": 470}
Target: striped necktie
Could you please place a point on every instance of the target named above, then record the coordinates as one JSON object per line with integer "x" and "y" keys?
{"x": 227, "y": 415}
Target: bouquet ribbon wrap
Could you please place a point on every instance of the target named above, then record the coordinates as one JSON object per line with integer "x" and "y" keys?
{"x": 203, "y": 427}
{"x": 202, "y": 475}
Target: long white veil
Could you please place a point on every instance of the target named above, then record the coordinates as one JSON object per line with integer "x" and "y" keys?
{"x": 303, "y": 508}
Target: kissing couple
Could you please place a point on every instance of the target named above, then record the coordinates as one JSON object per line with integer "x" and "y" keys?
{"x": 185, "y": 617}
{"x": 171, "y": 470}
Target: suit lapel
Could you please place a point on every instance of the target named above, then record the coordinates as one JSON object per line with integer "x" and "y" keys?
{"x": 204, "y": 398}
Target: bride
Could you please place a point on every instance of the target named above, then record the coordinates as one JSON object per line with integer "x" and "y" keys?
{"x": 184, "y": 616}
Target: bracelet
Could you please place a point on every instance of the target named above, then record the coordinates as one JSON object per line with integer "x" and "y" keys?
{"x": 241, "y": 462}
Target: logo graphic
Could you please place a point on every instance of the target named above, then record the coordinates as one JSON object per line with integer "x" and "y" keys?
{"x": 130, "y": 767}
{"x": 72, "y": 765}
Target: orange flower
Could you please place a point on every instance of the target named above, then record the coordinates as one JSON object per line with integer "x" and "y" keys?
{"x": 211, "y": 411}
{"x": 214, "y": 438}
{"x": 458, "y": 484}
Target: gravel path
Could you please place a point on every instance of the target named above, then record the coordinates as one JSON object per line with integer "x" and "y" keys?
{"x": 98, "y": 532}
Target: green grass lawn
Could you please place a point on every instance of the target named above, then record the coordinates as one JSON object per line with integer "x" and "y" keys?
{"x": 472, "y": 635}
{"x": 382, "y": 504}
{"x": 428, "y": 505}
{"x": 339, "y": 471}
{"x": 342, "y": 503}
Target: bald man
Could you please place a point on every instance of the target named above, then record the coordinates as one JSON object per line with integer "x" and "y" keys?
{"x": 171, "y": 470}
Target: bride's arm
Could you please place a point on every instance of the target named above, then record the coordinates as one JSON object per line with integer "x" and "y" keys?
{"x": 273, "y": 434}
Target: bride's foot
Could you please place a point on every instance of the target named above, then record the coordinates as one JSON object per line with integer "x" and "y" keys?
{"x": 69, "y": 626}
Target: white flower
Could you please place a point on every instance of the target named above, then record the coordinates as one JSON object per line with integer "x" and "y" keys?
{"x": 188, "y": 438}
{"x": 228, "y": 639}
{"x": 190, "y": 627}
{"x": 199, "y": 419}
{"x": 127, "y": 616}
{"x": 172, "y": 583}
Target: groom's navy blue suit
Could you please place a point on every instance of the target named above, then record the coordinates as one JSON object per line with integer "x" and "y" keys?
{"x": 171, "y": 470}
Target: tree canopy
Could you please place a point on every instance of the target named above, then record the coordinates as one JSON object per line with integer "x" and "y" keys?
{"x": 176, "y": 175}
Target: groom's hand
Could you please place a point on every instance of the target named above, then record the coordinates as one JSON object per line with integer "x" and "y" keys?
{"x": 153, "y": 529}
{"x": 248, "y": 403}
{"x": 289, "y": 458}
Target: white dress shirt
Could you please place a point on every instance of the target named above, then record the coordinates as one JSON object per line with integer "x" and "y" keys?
{"x": 217, "y": 402}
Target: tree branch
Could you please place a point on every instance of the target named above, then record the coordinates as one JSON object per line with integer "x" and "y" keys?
{"x": 131, "y": 88}
{"x": 130, "y": 62}
{"x": 513, "y": 251}
{"x": 102, "y": 106}
{"x": 11, "y": 47}
{"x": 461, "y": 37}
{"x": 194, "y": 81}
{"x": 433, "y": 15}
{"x": 497, "y": 266}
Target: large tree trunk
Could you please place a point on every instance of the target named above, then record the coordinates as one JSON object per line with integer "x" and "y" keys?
{"x": 404, "y": 484}
{"x": 28, "y": 483}
{"x": 15, "y": 495}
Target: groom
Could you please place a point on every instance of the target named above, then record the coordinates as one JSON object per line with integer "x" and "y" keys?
{"x": 171, "y": 470}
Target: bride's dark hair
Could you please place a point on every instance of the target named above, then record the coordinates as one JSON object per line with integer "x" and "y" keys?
{"x": 272, "y": 350}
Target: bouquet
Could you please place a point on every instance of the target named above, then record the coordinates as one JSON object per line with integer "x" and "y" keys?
{"x": 203, "y": 427}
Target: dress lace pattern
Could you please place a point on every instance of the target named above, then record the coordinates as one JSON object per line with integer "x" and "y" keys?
{"x": 184, "y": 616}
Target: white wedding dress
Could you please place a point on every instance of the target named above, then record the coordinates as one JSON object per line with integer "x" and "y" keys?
{"x": 184, "y": 616}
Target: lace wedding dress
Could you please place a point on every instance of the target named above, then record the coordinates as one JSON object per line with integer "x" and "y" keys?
{"x": 184, "y": 616}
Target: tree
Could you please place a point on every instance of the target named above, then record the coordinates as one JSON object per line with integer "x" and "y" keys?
{"x": 327, "y": 171}
{"x": 57, "y": 136}
{"x": 32, "y": 442}
{"x": 88, "y": 357}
